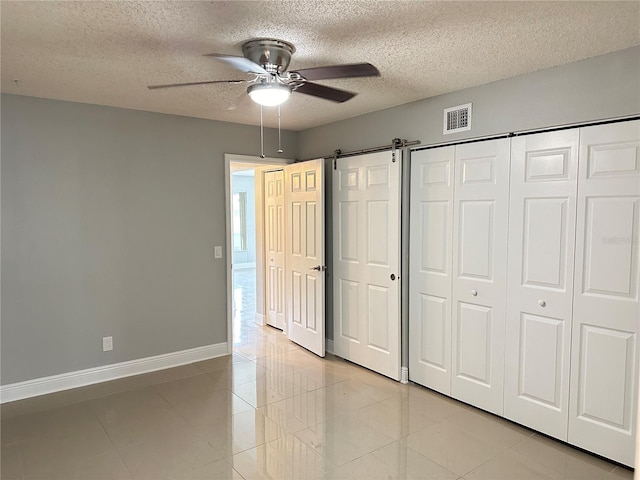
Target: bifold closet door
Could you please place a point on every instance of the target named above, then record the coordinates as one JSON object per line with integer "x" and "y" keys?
{"x": 606, "y": 312}
{"x": 430, "y": 249}
{"x": 274, "y": 236}
{"x": 481, "y": 206}
{"x": 542, "y": 216}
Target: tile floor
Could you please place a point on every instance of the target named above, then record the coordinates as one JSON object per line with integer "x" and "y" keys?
{"x": 273, "y": 410}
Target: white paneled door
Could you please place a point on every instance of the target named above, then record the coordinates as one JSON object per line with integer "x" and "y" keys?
{"x": 606, "y": 312}
{"x": 274, "y": 245}
{"x": 305, "y": 267}
{"x": 542, "y": 216}
{"x": 481, "y": 204}
{"x": 430, "y": 244}
{"x": 366, "y": 241}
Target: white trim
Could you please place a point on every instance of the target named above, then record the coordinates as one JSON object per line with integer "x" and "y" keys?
{"x": 329, "y": 346}
{"x": 260, "y": 319}
{"x": 81, "y": 378}
{"x": 404, "y": 375}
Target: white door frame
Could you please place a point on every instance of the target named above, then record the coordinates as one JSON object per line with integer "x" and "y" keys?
{"x": 249, "y": 161}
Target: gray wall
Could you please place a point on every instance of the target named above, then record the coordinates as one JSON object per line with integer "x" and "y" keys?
{"x": 109, "y": 218}
{"x": 602, "y": 87}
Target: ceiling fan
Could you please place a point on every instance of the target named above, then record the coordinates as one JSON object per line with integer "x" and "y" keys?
{"x": 268, "y": 59}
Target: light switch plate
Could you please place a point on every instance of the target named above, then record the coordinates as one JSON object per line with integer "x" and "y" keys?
{"x": 217, "y": 252}
{"x": 107, "y": 344}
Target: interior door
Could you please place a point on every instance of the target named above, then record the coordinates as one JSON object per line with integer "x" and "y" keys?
{"x": 274, "y": 246}
{"x": 430, "y": 240}
{"x": 481, "y": 206}
{"x": 542, "y": 216}
{"x": 304, "y": 243}
{"x": 366, "y": 261}
{"x": 606, "y": 309}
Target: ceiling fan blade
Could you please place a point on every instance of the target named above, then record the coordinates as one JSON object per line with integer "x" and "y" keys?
{"x": 240, "y": 63}
{"x": 327, "y": 93}
{"x": 339, "y": 71}
{"x": 189, "y": 84}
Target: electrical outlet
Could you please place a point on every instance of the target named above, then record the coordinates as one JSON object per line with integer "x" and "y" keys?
{"x": 217, "y": 252}
{"x": 107, "y": 344}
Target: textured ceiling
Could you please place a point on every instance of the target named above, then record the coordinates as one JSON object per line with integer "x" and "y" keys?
{"x": 106, "y": 53}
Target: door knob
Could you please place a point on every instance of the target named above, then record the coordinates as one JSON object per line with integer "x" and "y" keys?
{"x": 318, "y": 268}
{"x": 474, "y": 293}
{"x": 542, "y": 303}
{"x": 392, "y": 276}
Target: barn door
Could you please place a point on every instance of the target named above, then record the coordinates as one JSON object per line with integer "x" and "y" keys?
{"x": 366, "y": 266}
{"x": 305, "y": 267}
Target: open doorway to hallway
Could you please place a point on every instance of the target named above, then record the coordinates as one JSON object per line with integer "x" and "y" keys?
{"x": 243, "y": 256}
{"x": 246, "y": 260}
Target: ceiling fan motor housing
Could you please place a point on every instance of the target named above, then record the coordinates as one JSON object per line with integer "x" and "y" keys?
{"x": 271, "y": 54}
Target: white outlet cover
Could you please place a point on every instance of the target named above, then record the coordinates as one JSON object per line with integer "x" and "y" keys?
{"x": 107, "y": 344}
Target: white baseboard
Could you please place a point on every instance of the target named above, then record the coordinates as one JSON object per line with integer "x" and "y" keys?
{"x": 404, "y": 375}
{"x": 329, "y": 346}
{"x": 81, "y": 378}
{"x": 260, "y": 319}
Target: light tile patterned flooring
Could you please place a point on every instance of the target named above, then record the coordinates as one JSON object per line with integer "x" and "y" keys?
{"x": 273, "y": 410}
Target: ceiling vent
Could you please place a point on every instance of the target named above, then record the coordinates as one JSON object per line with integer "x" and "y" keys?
{"x": 457, "y": 119}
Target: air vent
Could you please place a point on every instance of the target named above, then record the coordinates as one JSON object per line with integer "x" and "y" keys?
{"x": 457, "y": 119}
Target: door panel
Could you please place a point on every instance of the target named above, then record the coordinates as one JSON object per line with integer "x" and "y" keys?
{"x": 542, "y": 219}
{"x": 304, "y": 282}
{"x": 430, "y": 237}
{"x": 481, "y": 206}
{"x": 275, "y": 256}
{"x": 541, "y": 360}
{"x": 604, "y": 357}
{"x": 611, "y": 265}
{"x": 544, "y": 238}
{"x": 474, "y": 343}
{"x": 476, "y": 249}
{"x": 366, "y": 202}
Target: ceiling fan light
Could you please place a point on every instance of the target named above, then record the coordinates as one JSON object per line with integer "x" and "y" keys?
{"x": 269, "y": 95}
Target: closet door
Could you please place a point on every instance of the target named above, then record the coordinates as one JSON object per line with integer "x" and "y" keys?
{"x": 606, "y": 312}
{"x": 542, "y": 215}
{"x": 430, "y": 251}
{"x": 481, "y": 206}
{"x": 274, "y": 235}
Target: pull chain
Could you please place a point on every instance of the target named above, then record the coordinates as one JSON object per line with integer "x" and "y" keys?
{"x": 261, "y": 135}
{"x": 279, "y": 139}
